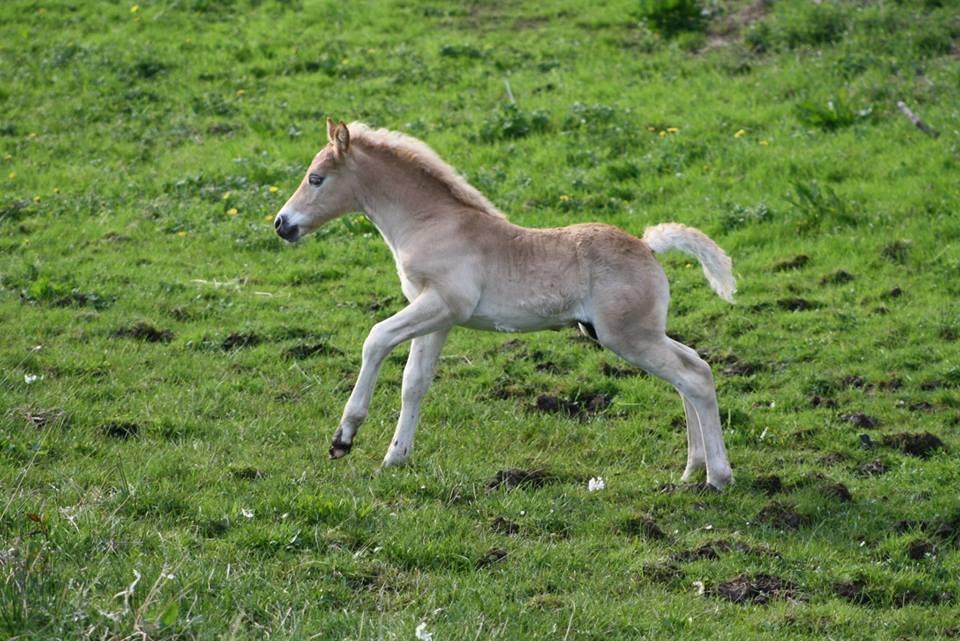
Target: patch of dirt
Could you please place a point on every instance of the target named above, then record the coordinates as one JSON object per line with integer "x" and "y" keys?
{"x": 873, "y": 468}
{"x": 781, "y": 516}
{"x": 491, "y": 556}
{"x": 696, "y": 488}
{"x": 948, "y": 530}
{"x": 854, "y": 380}
{"x": 797, "y": 304}
{"x": 302, "y": 351}
{"x": 237, "y": 340}
{"x": 41, "y": 418}
{"x": 861, "y": 420}
{"x": 891, "y": 385}
{"x": 144, "y": 331}
{"x": 920, "y": 549}
{"x": 931, "y": 385}
{"x": 834, "y": 458}
{"x": 516, "y": 477}
{"x": 549, "y": 367}
{"x": 731, "y": 365}
{"x": 837, "y": 278}
{"x": 867, "y": 442}
{"x": 822, "y": 401}
{"x": 726, "y": 30}
{"x": 755, "y": 589}
{"x": 247, "y": 473}
{"x": 921, "y": 444}
{"x": 613, "y": 371}
{"x": 837, "y": 491}
{"x": 580, "y": 406}
{"x": 853, "y": 591}
{"x": 897, "y": 251}
{"x": 120, "y": 430}
{"x": 663, "y": 573}
{"x": 896, "y": 292}
{"x": 503, "y": 525}
{"x": 714, "y": 549}
{"x": 643, "y": 526}
{"x": 505, "y": 389}
{"x": 915, "y": 406}
{"x": 769, "y": 485}
{"x": 787, "y": 264}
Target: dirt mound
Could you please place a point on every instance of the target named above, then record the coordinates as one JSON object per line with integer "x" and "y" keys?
{"x": 921, "y": 444}
{"x": 144, "y": 331}
{"x": 756, "y": 589}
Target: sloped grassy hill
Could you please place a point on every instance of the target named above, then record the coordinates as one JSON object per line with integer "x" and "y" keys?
{"x": 171, "y": 372}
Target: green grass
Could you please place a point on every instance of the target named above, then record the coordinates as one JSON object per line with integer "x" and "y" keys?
{"x": 191, "y": 367}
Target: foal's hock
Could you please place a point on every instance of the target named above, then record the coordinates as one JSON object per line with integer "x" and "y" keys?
{"x": 461, "y": 262}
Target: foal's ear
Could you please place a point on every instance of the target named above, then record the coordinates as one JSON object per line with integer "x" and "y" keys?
{"x": 331, "y": 129}
{"x": 341, "y": 139}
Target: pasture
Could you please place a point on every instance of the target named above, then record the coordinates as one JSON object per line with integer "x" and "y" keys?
{"x": 171, "y": 372}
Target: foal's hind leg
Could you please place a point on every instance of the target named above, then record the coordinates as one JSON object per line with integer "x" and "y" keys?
{"x": 696, "y": 459}
{"x": 683, "y": 368}
{"x": 417, "y": 375}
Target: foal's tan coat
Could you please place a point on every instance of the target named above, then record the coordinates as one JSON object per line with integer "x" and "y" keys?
{"x": 461, "y": 262}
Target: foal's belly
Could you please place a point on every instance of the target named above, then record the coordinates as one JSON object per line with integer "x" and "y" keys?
{"x": 525, "y": 314}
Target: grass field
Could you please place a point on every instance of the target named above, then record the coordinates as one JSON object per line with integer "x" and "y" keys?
{"x": 171, "y": 372}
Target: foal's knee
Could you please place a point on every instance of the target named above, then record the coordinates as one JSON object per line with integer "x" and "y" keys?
{"x": 698, "y": 380}
{"x": 376, "y": 345}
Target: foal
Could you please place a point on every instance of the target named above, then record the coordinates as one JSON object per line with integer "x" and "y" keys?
{"x": 461, "y": 262}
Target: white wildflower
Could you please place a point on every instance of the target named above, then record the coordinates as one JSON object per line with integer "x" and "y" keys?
{"x": 31, "y": 378}
{"x": 422, "y": 634}
{"x": 248, "y": 513}
{"x": 596, "y": 484}
{"x": 699, "y": 587}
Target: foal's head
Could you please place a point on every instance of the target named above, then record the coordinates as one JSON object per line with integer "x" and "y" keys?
{"x": 326, "y": 191}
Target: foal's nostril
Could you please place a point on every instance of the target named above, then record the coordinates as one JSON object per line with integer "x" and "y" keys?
{"x": 278, "y": 222}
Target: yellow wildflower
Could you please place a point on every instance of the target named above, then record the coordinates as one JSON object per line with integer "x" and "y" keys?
{"x": 672, "y": 130}
{"x": 182, "y": 234}
{"x": 274, "y": 189}
{"x": 663, "y": 134}
{"x": 240, "y": 92}
{"x": 268, "y": 217}
{"x": 232, "y": 211}
{"x": 36, "y": 199}
{"x": 740, "y": 133}
{"x": 56, "y": 190}
{"x": 564, "y": 198}
{"x": 764, "y": 142}
{"x": 226, "y": 195}
{"x": 135, "y": 8}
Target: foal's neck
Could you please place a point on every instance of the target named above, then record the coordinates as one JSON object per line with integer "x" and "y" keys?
{"x": 401, "y": 200}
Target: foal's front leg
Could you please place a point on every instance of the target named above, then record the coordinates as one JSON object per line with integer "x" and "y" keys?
{"x": 417, "y": 375}
{"x": 425, "y": 314}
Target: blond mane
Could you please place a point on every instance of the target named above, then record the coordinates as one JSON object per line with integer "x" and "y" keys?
{"x": 421, "y": 156}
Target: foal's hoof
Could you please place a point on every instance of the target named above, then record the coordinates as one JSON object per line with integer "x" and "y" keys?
{"x": 339, "y": 449}
{"x": 719, "y": 481}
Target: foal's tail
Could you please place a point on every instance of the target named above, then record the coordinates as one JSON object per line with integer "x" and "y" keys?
{"x": 717, "y": 266}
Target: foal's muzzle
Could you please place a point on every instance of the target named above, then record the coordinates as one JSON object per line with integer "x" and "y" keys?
{"x": 285, "y": 229}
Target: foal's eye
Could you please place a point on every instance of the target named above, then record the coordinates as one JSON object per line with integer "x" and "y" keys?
{"x": 316, "y": 179}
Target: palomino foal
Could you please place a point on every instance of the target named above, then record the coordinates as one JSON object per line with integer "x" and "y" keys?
{"x": 461, "y": 262}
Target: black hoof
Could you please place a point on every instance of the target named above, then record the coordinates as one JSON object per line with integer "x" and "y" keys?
{"x": 339, "y": 449}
